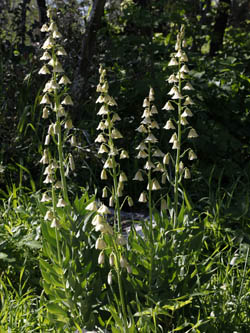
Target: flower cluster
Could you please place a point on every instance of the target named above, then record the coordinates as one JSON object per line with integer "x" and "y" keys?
{"x": 108, "y": 149}
{"x": 147, "y": 149}
{"x": 181, "y": 101}
{"x": 55, "y": 102}
{"x": 109, "y": 242}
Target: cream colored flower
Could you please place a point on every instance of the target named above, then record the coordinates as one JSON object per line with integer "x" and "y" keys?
{"x": 151, "y": 138}
{"x": 187, "y": 174}
{"x": 172, "y": 79}
{"x": 68, "y": 124}
{"x": 166, "y": 159}
{"x": 45, "y": 198}
{"x": 158, "y": 153}
{"x": 192, "y": 134}
{"x": 116, "y": 134}
{"x": 188, "y": 86}
{"x": 124, "y": 154}
{"x": 67, "y": 101}
{"x": 101, "y": 258}
{"x": 191, "y": 155}
{"x": 155, "y": 185}
{"x": 149, "y": 165}
{"x": 143, "y": 197}
{"x": 169, "y": 125}
{"x": 176, "y": 145}
{"x": 92, "y": 206}
{"x": 173, "y": 62}
{"x": 103, "y": 149}
{"x": 138, "y": 176}
{"x": 64, "y": 80}
{"x": 168, "y": 106}
{"x": 44, "y": 70}
{"x": 61, "y": 203}
{"x": 104, "y": 175}
{"x": 142, "y": 154}
{"x": 123, "y": 177}
{"x": 187, "y": 113}
{"x": 141, "y": 129}
{"x": 100, "y": 138}
{"x": 173, "y": 138}
{"x": 100, "y": 244}
{"x": 109, "y": 279}
{"x": 188, "y": 101}
{"x": 108, "y": 164}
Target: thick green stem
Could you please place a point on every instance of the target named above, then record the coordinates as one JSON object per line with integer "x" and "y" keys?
{"x": 177, "y": 162}
{"x": 150, "y": 218}
{"x": 121, "y": 292}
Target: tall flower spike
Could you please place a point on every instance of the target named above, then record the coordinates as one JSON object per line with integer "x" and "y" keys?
{"x": 178, "y": 96}
{"x": 108, "y": 137}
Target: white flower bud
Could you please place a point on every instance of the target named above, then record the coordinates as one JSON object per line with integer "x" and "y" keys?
{"x": 101, "y": 258}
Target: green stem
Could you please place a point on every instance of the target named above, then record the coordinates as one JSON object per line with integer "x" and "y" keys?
{"x": 177, "y": 162}
{"x": 150, "y": 218}
{"x": 121, "y": 293}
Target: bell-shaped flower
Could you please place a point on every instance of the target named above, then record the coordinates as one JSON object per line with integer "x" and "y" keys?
{"x": 141, "y": 146}
{"x": 61, "y": 203}
{"x": 155, "y": 185}
{"x": 44, "y": 70}
{"x": 67, "y": 101}
{"x": 142, "y": 154}
{"x": 187, "y": 113}
{"x": 123, "y": 177}
{"x": 104, "y": 175}
{"x": 115, "y": 134}
{"x": 68, "y": 124}
{"x": 61, "y": 51}
{"x": 151, "y": 138}
{"x": 177, "y": 95}
{"x": 173, "y": 62}
{"x": 188, "y": 101}
{"x": 103, "y": 149}
{"x": 154, "y": 124}
{"x": 138, "y": 176}
{"x": 192, "y": 133}
{"x": 172, "y": 79}
{"x": 169, "y": 125}
{"x": 184, "y": 69}
{"x": 158, "y": 153}
{"x": 64, "y": 80}
{"x": 101, "y": 258}
{"x": 173, "y": 138}
{"x": 100, "y": 138}
{"x": 188, "y": 86}
{"x": 92, "y": 206}
{"x": 104, "y": 110}
{"x": 192, "y": 155}
{"x": 154, "y": 109}
{"x": 45, "y": 114}
{"x": 146, "y": 103}
{"x": 108, "y": 164}
{"x": 45, "y": 100}
{"x": 168, "y": 106}
{"x": 100, "y": 244}
{"x": 115, "y": 117}
{"x": 44, "y": 28}
{"x": 45, "y": 198}
{"x": 124, "y": 154}
{"x": 173, "y": 91}
{"x": 48, "y": 44}
{"x": 176, "y": 145}
{"x": 187, "y": 174}
{"x": 166, "y": 159}
{"x": 141, "y": 129}
{"x": 149, "y": 165}
{"x": 184, "y": 121}
{"x": 143, "y": 197}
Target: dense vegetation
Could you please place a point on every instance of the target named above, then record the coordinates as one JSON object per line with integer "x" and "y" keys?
{"x": 121, "y": 89}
